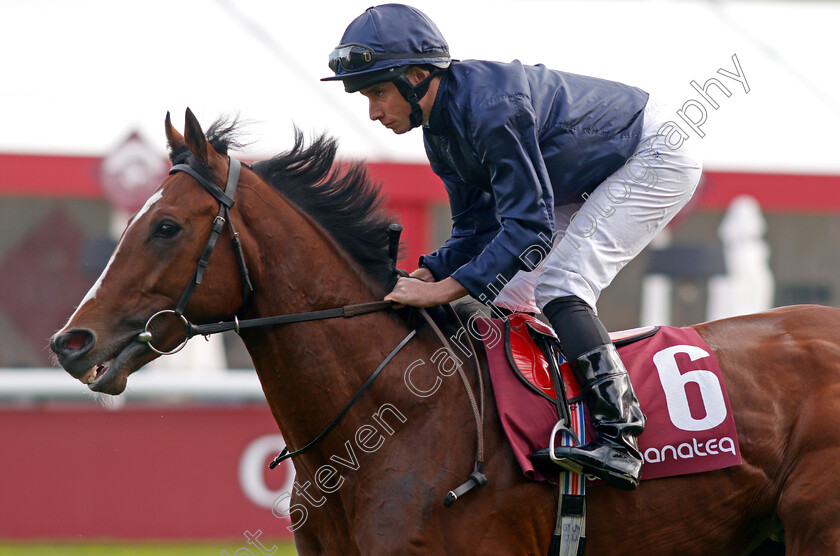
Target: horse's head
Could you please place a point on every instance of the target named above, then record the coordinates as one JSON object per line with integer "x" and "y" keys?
{"x": 149, "y": 271}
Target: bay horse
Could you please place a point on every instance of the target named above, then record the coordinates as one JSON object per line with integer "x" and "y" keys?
{"x": 313, "y": 237}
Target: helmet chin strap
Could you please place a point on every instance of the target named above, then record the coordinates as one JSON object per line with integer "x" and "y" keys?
{"x": 413, "y": 93}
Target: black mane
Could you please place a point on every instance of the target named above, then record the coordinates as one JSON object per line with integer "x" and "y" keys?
{"x": 342, "y": 199}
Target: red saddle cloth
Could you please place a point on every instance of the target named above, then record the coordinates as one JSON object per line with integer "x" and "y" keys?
{"x": 689, "y": 428}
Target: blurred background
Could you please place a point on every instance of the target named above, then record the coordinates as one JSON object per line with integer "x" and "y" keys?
{"x": 85, "y": 86}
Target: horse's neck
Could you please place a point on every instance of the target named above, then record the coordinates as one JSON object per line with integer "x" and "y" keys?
{"x": 310, "y": 370}
{"x": 300, "y": 268}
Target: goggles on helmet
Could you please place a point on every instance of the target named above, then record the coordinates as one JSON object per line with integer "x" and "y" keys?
{"x": 354, "y": 57}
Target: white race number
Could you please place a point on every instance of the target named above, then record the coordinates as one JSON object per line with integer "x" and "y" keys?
{"x": 674, "y": 383}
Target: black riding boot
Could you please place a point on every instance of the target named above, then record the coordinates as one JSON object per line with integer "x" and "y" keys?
{"x": 616, "y": 416}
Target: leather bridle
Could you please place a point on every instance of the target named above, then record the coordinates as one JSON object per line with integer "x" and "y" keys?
{"x": 226, "y": 202}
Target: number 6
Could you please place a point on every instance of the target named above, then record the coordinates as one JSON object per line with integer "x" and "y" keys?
{"x": 673, "y": 382}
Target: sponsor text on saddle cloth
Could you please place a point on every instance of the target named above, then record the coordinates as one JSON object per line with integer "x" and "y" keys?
{"x": 676, "y": 377}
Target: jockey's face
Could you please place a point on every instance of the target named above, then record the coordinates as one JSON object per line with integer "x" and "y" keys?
{"x": 387, "y": 106}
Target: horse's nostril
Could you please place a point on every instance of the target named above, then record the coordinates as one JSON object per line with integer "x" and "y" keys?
{"x": 73, "y": 342}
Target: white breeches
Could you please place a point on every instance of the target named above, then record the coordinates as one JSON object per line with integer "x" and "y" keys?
{"x": 596, "y": 237}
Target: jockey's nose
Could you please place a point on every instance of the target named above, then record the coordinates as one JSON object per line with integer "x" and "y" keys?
{"x": 72, "y": 345}
{"x": 374, "y": 111}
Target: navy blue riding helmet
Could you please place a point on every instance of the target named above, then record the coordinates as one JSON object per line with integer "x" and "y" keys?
{"x": 381, "y": 44}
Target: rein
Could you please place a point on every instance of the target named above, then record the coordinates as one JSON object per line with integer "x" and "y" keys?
{"x": 226, "y": 201}
{"x": 348, "y": 311}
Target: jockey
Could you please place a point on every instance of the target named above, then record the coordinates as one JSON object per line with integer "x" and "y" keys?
{"x": 555, "y": 181}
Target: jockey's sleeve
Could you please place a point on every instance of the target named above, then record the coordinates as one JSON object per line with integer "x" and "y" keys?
{"x": 474, "y": 225}
{"x": 505, "y": 139}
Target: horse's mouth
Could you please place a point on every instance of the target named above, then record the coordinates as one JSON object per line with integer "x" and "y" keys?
{"x": 110, "y": 375}
{"x": 90, "y": 376}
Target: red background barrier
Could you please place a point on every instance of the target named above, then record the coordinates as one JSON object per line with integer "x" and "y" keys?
{"x": 150, "y": 472}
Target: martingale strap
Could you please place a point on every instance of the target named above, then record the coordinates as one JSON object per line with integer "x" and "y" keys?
{"x": 286, "y": 454}
{"x": 477, "y": 477}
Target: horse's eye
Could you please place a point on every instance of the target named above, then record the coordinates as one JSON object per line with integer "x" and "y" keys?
{"x": 167, "y": 229}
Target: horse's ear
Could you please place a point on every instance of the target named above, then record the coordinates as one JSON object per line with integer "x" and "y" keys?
{"x": 194, "y": 137}
{"x": 174, "y": 138}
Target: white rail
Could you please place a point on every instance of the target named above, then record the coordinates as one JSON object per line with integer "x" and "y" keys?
{"x": 55, "y": 384}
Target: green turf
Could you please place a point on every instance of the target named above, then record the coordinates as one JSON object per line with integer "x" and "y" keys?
{"x": 144, "y": 549}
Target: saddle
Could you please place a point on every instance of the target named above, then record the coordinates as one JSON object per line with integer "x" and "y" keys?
{"x": 689, "y": 429}
{"x": 529, "y": 343}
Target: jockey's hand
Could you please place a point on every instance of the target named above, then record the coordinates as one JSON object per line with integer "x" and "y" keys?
{"x": 417, "y": 293}
{"x": 424, "y": 274}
